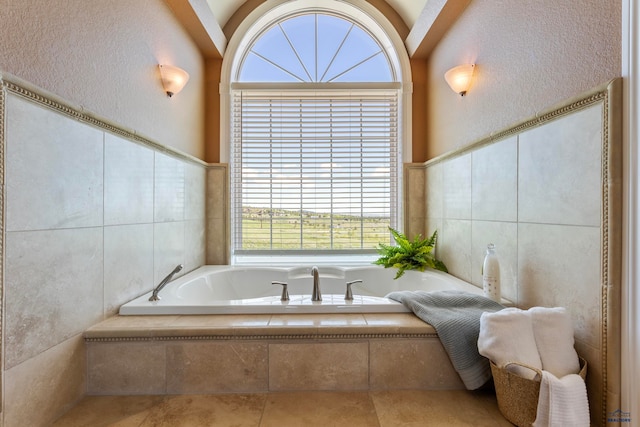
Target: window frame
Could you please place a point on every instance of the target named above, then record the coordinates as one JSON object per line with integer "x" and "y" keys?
{"x": 367, "y": 16}
{"x": 385, "y": 90}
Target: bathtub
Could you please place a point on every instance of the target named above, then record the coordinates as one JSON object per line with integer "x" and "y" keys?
{"x": 234, "y": 290}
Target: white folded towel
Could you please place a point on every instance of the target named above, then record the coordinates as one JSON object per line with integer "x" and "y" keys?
{"x": 553, "y": 332}
{"x": 507, "y": 336}
{"x": 562, "y": 402}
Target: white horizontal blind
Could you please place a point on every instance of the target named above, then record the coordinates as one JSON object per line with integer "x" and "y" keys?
{"x": 314, "y": 170}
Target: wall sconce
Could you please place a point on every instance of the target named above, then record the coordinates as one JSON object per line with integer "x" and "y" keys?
{"x": 173, "y": 79}
{"x": 459, "y": 78}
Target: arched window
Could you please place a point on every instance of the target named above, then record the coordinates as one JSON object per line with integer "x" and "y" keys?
{"x": 315, "y": 148}
{"x": 316, "y": 47}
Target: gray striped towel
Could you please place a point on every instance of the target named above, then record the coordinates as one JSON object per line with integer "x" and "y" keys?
{"x": 455, "y": 315}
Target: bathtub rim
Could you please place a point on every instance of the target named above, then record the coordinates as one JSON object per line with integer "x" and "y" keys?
{"x": 331, "y": 304}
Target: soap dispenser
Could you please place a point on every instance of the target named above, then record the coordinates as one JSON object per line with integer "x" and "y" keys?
{"x": 491, "y": 274}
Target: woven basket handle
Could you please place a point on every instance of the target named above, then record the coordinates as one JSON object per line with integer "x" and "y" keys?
{"x": 524, "y": 365}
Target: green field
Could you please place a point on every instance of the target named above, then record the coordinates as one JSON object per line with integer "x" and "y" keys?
{"x": 285, "y": 229}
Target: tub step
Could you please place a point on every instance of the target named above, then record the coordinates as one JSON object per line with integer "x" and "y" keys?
{"x": 261, "y": 353}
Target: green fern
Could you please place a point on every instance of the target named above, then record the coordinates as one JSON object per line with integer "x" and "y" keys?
{"x": 409, "y": 255}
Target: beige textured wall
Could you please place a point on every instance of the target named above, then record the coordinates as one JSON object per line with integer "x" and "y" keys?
{"x": 529, "y": 56}
{"x": 103, "y": 56}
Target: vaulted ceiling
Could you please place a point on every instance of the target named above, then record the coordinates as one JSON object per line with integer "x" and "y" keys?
{"x": 409, "y": 10}
{"x": 424, "y": 22}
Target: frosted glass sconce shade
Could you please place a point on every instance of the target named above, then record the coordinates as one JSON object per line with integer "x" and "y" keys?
{"x": 459, "y": 78}
{"x": 173, "y": 79}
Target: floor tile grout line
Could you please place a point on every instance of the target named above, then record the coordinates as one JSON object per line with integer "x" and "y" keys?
{"x": 264, "y": 407}
{"x": 375, "y": 408}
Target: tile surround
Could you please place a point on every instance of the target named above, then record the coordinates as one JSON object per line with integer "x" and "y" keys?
{"x": 414, "y": 207}
{"x": 560, "y": 266}
{"x": 559, "y": 170}
{"x": 195, "y": 188}
{"x": 424, "y": 362}
{"x": 451, "y": 205}
{"x": 128, "y": 267}
{"x": 168, "y": 248}
{"x": 504, "y": 235}
{"x": 216, "y": 367}
{"x": 128, "y": 182}
{"x": 318, "y": 366}
{"x": 227, "y": 353}
{"x": 195, "y": 244}
{"x": 45, "y": 386}
{"x": 217, "y": 206}
{"x": 594, "y": 374}
{"x": 50, "y": 294}
{"x": 553, "y": 209}
{"x": 264, "y": 325}
{"x": 81, "y": 200}
{"x": 169, "y": 189}
{"x": 454, "y": 240}
{"x": 494, "y": 177}
{"x": 456, "y": 188}
{"x": 47, "y": 187}
{"x": 434, "y": 192}
{"x": 126, "y": 368}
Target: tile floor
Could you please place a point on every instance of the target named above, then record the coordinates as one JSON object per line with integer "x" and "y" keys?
{"x": 309, "y": 409}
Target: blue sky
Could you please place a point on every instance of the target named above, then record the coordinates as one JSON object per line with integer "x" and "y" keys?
{"x": 316, "y": 48}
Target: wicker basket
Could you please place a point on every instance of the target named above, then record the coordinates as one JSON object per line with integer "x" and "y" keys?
{"x": 518, "y": 396}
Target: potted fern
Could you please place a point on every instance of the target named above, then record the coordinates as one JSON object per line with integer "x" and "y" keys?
{"x": 416, "y": 254}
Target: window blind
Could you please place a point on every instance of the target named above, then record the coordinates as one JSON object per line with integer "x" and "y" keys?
{"x": 313, "y": 170}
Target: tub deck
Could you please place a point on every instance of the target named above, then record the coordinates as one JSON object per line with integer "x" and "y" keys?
{"x": 224, "y": 289}
{"x": 177, "y": 354}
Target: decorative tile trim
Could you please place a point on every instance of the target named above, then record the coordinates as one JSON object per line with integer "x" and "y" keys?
{"x": 45, "y": 100}
{"x": 611, "y": 246}
{"x": 258, "y": 337}
{"x": 2, "y": 226}
{"x": 599, "y": 94}
{"x": 604, "y": 246}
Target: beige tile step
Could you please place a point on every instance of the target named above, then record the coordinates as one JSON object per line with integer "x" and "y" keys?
{"x": 262, "y": 353}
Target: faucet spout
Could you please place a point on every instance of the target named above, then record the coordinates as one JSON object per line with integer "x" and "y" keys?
{"x": 316, "y": 295}
{"x": 154, "y": 295}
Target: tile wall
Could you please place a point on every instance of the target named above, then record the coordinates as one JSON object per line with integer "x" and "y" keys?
{"x": 92, "y": 220}
{"x": 413, "y": 199}
{"x": 187, "y": 366}
{"x": 537, "y": 195}
{"x": 260, "y": 353}
{"x": 218, "y": 240}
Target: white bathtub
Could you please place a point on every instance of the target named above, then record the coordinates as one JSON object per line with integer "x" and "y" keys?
{"x": 234, "y": 290}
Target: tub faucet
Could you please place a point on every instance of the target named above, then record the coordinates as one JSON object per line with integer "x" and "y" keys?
{"x": 316, "y": 295}
{"x": 154, "y": 295}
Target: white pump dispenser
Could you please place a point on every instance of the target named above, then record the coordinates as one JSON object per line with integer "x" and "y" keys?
{"x": 491, "y": 274}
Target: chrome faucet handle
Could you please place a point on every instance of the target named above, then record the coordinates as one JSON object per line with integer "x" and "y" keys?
{"x": 285, "y": 292}
{"x": 348, "y": 296}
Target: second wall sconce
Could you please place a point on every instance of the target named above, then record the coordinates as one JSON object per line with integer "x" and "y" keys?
{"x": 173, "y": 79}
{"x": 459, "y": 78}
